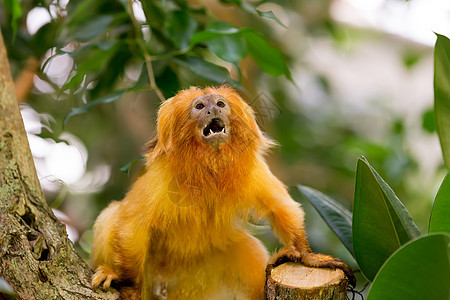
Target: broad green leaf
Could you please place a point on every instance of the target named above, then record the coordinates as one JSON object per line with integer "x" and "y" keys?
{"x": 168, "y": 82}
{"x": 15, "y": 9}
{"x": 420, "y": 270}
{"x": 230, "y": 48}
{"x": 81, "y": 11}
{"x": 204, "y": 69}
{"x": 338, "y": 218}
{"x": 214, "y": 30}
{"x": 102, "y": 100}
{"x": 381, "y": 224}
{"x": 92, "y": 28}
{"x": 153, "y": 13}
{"x": 5, "y": 288}
{"x": 180, "y": 26}
{"x": 440, "y": 215}
{"x": 225, "y": 41}
{"x": 126, "y": 168}
{"x": 267, "y": 57}
{"x": 442, "y": 94}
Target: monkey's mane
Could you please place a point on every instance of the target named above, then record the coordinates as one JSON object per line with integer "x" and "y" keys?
{"x": 182, "y": 149}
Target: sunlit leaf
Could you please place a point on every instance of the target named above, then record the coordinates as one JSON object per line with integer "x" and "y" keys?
{"x": 338, "y": 218}
{"x": 214, "y": 30}
{"x": 102, "y": 100}
{"x": 381, "y": 224}
{"x": 440, "y": 215}
{"x": 420, "y": 270}
{"x": 442, "y": 94}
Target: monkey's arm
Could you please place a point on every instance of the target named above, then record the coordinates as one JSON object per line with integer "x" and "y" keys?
{"x": 287, "y": 220}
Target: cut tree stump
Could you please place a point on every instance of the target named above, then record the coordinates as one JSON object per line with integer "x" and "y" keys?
{"x": 291, "y": 281}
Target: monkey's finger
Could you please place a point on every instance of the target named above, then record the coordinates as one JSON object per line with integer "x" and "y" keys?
{"x": 107, "y": 282}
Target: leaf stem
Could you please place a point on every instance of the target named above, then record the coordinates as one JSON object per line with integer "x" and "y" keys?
{"x": 147, "y": 57}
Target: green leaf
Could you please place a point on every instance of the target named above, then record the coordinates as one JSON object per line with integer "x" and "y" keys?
{"x": 79, "y": 12}
{"x": 230, "y": 48}
{"x": 338, "y": 218}
{"x": 381, "y": 224}
{"x": 92, "y": 28}
{"x": 102, "y": 100}
{"x": 442, "y": 94}
{"x": 214, "y": 30}
{"x": 428, "y": 123}
{"x": 270, "y": 15}
{"x": 86, "y": 241}
{"x": 168, "y": 82}
{"x": 15, "y": 9}
{"x": 204, "y": 69}
{"x": 440, "y": 215}
{"x": 269, "y": 58}
{"x": 5, "y": 288}
{"x": 180, "y": 27}
{"x": 420, "y": 270}
{"x": 253, "y": 10}
{"x": 126, "y": 168}
{"x": 95, "y": 61}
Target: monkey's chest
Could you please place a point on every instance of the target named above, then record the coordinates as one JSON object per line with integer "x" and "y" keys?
{"x": 192, "y": 241}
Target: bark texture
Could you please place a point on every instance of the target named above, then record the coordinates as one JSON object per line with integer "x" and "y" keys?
{"x": 36, "y": 257}
{"x": 292, "y": 281}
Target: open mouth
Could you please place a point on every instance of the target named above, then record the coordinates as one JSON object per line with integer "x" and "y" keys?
{"x": 215, "y": 126}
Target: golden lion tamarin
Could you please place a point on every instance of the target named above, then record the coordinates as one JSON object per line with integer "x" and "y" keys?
{"x": 180, "y": 231}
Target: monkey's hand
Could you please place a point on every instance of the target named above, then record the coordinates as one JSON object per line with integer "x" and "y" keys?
{"x": 103, "y": 275}
{"x": 289, "y": 253}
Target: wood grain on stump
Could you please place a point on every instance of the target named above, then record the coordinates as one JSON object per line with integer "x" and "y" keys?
{"x": 291, "y": 281}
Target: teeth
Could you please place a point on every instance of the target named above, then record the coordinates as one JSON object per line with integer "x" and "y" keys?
{"x": 210, "y": 131}
{"x": 223, "y": 130}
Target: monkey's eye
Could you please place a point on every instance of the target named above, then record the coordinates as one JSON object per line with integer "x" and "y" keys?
{"x": 199, "y": 105}
{"x": 221, "y": 104}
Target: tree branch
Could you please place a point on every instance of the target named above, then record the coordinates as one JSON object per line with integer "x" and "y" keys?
{"x": 36, "y": 257}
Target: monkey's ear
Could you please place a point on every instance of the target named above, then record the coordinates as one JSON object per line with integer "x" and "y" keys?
{"x": 150, "y": 145}
{"x": 163, "y": 140}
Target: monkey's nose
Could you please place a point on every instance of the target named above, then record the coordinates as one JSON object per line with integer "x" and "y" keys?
{"x": 215, "y": 111}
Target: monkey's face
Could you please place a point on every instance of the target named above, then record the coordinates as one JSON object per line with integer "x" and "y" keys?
{"x": 212, "y": 115}
{"x": 211, "y": 125}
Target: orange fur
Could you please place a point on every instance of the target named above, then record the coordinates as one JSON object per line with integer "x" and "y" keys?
{"x": 180, "y": 231}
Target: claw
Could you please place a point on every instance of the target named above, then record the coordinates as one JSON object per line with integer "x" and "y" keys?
{"x": 103, "y": 276}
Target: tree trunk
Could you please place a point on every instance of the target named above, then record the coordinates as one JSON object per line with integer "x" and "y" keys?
{"x": 292, "y": 281}
{"x": 36, "y": 257}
